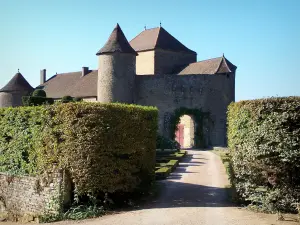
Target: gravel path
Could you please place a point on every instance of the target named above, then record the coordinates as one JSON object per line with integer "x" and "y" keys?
{"x": 193, "y": 194}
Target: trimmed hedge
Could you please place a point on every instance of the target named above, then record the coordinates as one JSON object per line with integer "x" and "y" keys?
{"x": 166, "y": 143}
{"x": 107, "y": 148}
{"x": 36, "y": 101}
{"x": 67, "y": 99}
{"x": 264, "y": 140}
{"x": 39, "y": 93}
{"x": 112, "y": 145}
{"x": 163, "y": 172}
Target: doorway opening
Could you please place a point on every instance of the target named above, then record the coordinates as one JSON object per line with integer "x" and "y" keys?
{"x": 185, "y": 132}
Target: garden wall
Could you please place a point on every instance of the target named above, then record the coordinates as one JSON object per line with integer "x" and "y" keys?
{"x": 26, "y": 198}
{"x": 264, "y": 140}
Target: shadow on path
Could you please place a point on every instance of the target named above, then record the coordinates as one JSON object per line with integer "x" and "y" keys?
{"x": 184, "y": 187}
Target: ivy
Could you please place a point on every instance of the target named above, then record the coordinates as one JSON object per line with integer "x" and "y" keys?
{"x": 198, "y": 116}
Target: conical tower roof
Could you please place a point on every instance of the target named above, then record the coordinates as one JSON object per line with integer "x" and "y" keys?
{"x": 116, "y": 42}
{"x": 17, "y": 83}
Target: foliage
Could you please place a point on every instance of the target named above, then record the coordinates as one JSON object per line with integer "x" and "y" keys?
{"x": 166, "y": 143}
{"x": 39, "y": 93}
{"x": 67, "y": 99}
{"x": 77, "y": 99}
{"x": 163, "y": 172}
{"x": 84, "y": 211}
{"x": 21, "y": 132}
{"x": 107, "y": 148}
{"x": 226, "y": 160}
{"x": 263, "y": 137}
{"x": 198, "y": 117}
{"x": 75, "y": 213}
{"x": 36, "y": 101}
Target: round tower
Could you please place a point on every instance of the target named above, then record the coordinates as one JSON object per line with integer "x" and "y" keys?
{"x": 11, "y": 94}
{"x": 116, "y": 69}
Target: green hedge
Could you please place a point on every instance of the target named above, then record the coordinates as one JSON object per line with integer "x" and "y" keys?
{"x": 107, "y": 148}
{"x": 166, "y": 143}
{"x": 36, "y": 101}
{"x": 264, "y": 140}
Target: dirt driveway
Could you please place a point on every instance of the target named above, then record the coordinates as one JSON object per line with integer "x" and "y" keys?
{"x": 193, "y": 194}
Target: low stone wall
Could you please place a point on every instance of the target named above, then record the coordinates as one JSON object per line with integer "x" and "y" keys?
{"x": 24, "y": 198}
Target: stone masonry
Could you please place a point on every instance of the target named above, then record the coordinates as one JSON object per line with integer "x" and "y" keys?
{"x": 25, "y": 198}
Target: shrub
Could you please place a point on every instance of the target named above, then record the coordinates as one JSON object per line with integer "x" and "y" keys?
{"x": 165, "y": 143}
{"x": 67, "y": 99}
{"x": 112, "y": 145}
{"x": 39, "y": 93}
{"x": 263, "y": 137}
{"x": 77, "y": 99}
{"x": 36, "y": 101}
{"x": 107, "y": 148}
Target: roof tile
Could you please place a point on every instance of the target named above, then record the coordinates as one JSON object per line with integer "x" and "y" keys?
{"x": 116, "y": 42}
{"x": 17, "y": 83}
{"x": 157, "y": 38}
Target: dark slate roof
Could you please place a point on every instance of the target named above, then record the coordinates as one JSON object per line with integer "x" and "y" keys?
{"x": 116, "y": 42}
{"x": 210, "y": 66}
{"x": 73, "y": 84}
{"x": 17, "y": 83}
{"x": 157, "y": 38}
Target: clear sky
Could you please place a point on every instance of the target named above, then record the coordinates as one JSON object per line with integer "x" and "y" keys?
{"x": 261, "y": 37}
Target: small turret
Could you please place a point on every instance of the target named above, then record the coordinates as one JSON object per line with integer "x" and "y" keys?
{"x": 11, "y": 94}
{"x": 116, "y": 69}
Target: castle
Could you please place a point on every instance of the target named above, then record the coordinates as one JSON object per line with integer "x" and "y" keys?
{"x": 152, "y": 69}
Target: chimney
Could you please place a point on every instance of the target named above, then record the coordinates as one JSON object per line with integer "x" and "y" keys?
{"x": 43, "y": 76}
{"x": 85, "y": 71}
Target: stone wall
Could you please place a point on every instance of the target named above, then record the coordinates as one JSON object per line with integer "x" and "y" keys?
{"x": 24, "y": 198}
{"x": 210, "y": 93}
{"x": 12, "y": 99}
{"x": 168, "y": 62}
{"x": 90, "y": 99}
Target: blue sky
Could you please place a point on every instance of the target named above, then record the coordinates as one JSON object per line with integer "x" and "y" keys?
{"x": 261, "y": 37}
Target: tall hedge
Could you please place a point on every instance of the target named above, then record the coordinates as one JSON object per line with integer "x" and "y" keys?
{"x": 106, "y": 148}
{"x": 264, "y": 140}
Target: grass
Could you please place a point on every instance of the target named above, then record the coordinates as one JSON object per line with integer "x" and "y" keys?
{"x": 163, "y": 172}
{"x": 225, "y": 157}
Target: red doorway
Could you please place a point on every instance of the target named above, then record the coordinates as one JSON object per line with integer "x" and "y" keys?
{"x": 179, "y": 134}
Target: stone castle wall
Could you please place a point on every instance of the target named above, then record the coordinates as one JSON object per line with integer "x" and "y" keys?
{"x": 24, "y": 198}
{"x": 167, "y": 62}
{"x": 211, "y": 93}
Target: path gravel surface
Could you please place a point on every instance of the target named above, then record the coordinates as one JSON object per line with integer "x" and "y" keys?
{"x": 194, "y": 194}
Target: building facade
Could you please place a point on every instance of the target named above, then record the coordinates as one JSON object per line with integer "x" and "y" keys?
{"x": 154, "y": 69}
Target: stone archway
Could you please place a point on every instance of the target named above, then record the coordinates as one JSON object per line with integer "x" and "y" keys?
{"x": 201, "y": 133}
{"x": 185, "y": 132}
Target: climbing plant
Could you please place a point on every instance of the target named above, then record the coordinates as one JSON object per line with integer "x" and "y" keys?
{"x": 198, "y": 117}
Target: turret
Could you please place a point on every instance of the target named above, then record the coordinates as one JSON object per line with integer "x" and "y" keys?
{"x": 11, "y": 94}
{"x": 116, "y": 69}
